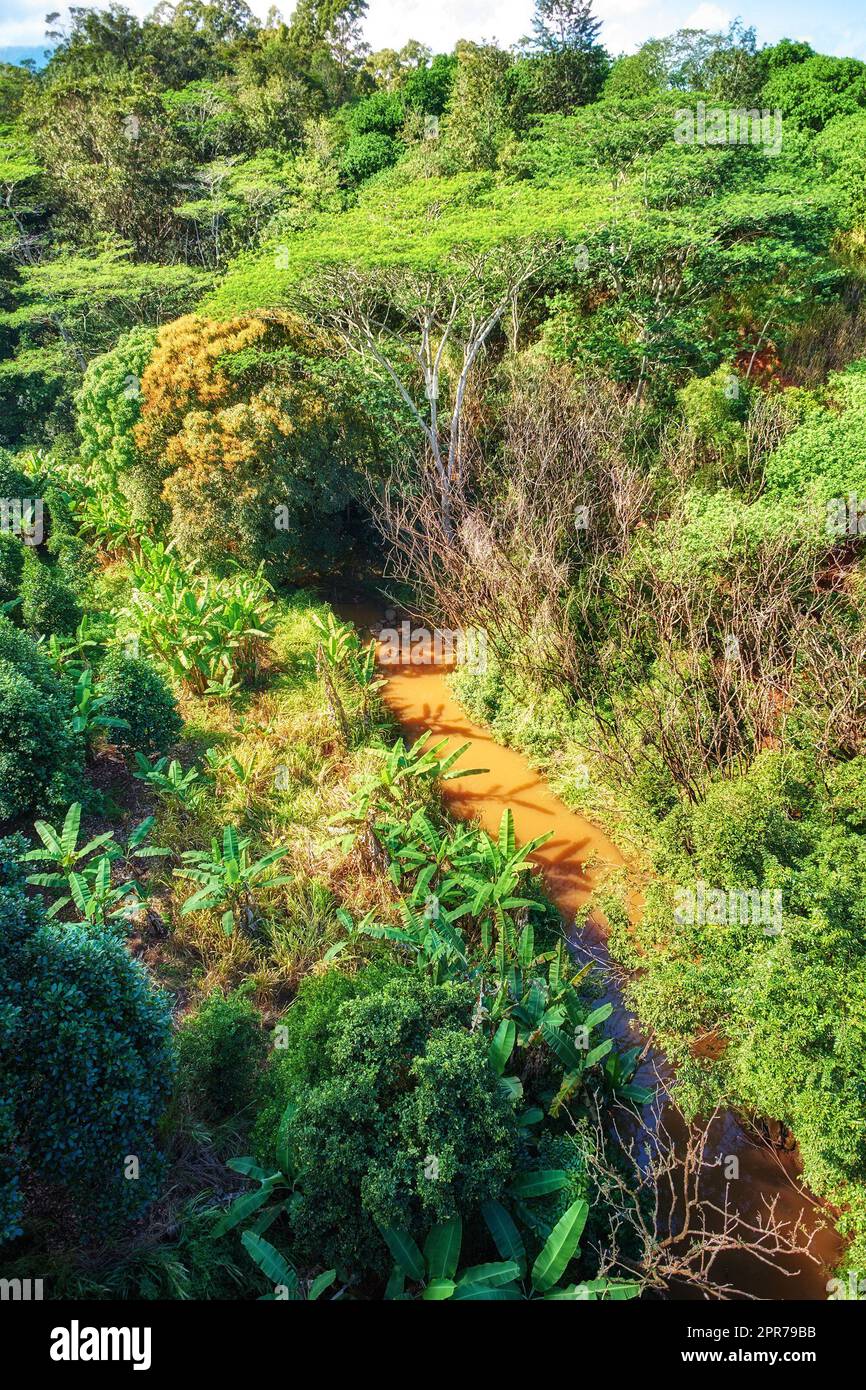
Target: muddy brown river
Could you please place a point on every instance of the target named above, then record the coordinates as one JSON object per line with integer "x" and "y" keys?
{"x": 572, "y": 863}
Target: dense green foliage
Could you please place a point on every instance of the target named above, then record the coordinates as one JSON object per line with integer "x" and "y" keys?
{"x": 785, "y": 995}
{"x": 87, "y": 1065}
{"x": 397, "y": 1083}
{"x": 521, "y": 337}
{"x": 47, "y": 604}
{"x": 40, "y": 756}
{"x": 137, "y": 695}
{"x": 220, "y": 1053}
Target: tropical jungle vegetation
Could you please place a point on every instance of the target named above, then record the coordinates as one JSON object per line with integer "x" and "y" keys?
{"x": 283, "y": 319}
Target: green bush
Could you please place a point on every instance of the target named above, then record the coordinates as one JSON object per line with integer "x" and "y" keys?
{"x": 382, "y": 111}
{"x": 64, "y": 544}
{"x": 221, "y": 1049}
{"x": 715, "y": 408}
{"x": 22, "y": 652}
{"x": 812, "y": 92}
{"x": 14, "y": 482}
{"x": 109, "y": 408}
{"x": 785, "y": 1000}
{"x": 428, "y": 89}
{"x": 743, "y": 826}
{"x": 400, "y": 1119}
{"x": 847, "y": 785}
{"x": 11, "y": 565}
{"x": 366, "y": 154}
{"x": 41, "y": 760}
{"x": 136, "y": 692}
{"x": 48, "y": 605}
{"x": 85, "y": 1061}
{"x": 304, "y": 1060}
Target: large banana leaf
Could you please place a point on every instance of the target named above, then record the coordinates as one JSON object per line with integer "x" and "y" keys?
{"x": 271, "y": 1262}
{"x": 493, "y": 1274}
{"x": 405, "y": 1252}
{"x": 506, "y": 834}
{"x": 506, "y": 1236}
{"x": 502, "y": 1045}
{"x": 242, "y": 1208}
{"x": 320, "y": 1283}
{"x": 559, "y": 1247}
{"x": 442, "y": 1248}
{"x": 539, "y": 1182}
{"x": 487, "y": 1292}
{"x": 437, "y": 1290}
{"x": 69, "y": 834}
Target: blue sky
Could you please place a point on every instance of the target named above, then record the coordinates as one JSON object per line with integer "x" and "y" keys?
{"x": 831, "y": 27}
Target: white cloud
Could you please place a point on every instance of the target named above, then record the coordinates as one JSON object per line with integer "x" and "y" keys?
{"x": 711, "y": 17}
{"x": 440, "y": 26}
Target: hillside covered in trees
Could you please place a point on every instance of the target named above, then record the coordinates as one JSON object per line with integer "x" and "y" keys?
{"x": 563, "y": 349}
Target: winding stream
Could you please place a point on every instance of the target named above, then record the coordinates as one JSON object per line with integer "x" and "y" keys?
{"x": 572, "y": 863}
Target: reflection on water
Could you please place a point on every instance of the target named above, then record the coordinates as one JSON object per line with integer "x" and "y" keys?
{"x": 572, "y": 862}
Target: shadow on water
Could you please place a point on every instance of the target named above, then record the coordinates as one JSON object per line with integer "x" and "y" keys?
{"x": 573, "y": 862}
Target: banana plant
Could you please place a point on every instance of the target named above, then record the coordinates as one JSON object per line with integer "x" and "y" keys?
{"x": 491, "y": 886}
{"x": 87, "y": 718}
{"x": 620, "y": 1068}
{"x": 211, "y": 634}
{"x": 364, "y": 673}
{"x": 100, "y": 517}
{"x": 429, "y": 938}
{"x": 539, "y": 998}
{"x": 170, "y": 781}
{"x": 71, "y": 653}
{"x": 61, "y": 848}
{"x": 100, "y": 902}
{"x": 277, "y": 1193}
{"x": 542, "y": 999}
{"x": 339, "y": 641}
{"x": 420, "y": 848}
{"x": 436, "y": 1275}
{"x": 228, "y": 878}
{"x": 83, "y": 872}
{"x": 280, "y": 1272}
{"x": 277, "y": 1190}
{"x": 243, "y": 772}
{"x": 402, "y": 781}
{"x": 545, "y": 1011}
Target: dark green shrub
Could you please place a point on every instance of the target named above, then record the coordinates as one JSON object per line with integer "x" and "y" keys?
{"x": 13, "y": 481}
{"x": 365, "y": 155}
{"x": 41, "y": 760}
{"x": 11, "y": 564}
{"x": 48, "y": 605}
{"x": 221, "y": 1049}
{"x": 64, "y": 542}
{"x": 304, "y": 1059}
{"x": 428, "y": 89}
{"x": 743, "y": 825}
{"x": 85, "y": 1061}
{"x": 651, "y": 790}
{"x": 381, "y": 111}
{"x": 22, "y": 652}
{"x": 400, "y": 1121}
{"x": 136, "y": 692}
{"x": 812, "y": 92}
